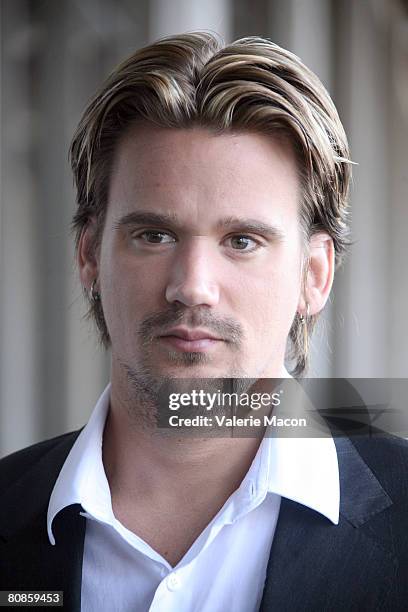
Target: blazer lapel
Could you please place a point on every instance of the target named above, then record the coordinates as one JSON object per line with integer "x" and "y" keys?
{"x": 27, "y": 558}
{"x": 315, "y": 565}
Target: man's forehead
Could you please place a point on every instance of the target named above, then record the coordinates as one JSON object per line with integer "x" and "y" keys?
{"x": 195, "y": 147}
{"x": 196, "y": 168}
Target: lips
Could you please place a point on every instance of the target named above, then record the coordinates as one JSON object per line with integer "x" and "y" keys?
{"x": 185, "y": 334}
{"x": 197, "y": 340}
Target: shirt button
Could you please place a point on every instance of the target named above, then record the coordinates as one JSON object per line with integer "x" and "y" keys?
{"x": 173, "y": 582}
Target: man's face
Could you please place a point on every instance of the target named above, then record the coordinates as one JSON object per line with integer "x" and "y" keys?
{"x": 201, "y": 253}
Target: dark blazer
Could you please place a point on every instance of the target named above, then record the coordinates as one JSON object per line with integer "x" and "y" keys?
{"x": 359, "y": 564}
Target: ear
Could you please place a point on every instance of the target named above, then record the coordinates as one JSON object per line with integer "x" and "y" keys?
{"x": 319, "y": 274}
{"x": 87, "y": 257}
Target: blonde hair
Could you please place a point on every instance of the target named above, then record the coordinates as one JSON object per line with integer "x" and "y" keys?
{"x": 195, "y": 80}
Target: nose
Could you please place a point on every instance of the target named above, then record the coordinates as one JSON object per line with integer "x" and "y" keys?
{"x": 192, "y": 281}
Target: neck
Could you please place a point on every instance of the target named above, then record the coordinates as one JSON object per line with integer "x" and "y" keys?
{"x": 140, "y": 460}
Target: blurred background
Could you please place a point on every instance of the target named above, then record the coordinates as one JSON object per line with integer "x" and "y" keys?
{"x": 53, "y": 57}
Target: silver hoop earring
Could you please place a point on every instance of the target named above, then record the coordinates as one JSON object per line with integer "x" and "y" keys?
{"x": 95, "y": 295}
{"x": 302, "y": 318}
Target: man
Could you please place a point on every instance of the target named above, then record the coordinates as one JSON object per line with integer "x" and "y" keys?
{"x": 212, "y": 211}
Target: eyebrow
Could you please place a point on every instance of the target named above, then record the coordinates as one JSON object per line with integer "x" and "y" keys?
{"x": 231, "y": 223}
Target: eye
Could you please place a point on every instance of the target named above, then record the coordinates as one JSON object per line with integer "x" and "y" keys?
{"x": 241, "y": 242}
{"x": 156, "y": 237}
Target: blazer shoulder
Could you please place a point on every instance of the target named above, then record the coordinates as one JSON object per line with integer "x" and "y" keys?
{"x": 387, "y": 457}
{"x": 15, "y": 465}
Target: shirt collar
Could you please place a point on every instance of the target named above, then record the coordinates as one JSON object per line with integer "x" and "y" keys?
{"x": 82, "y": 479}
{"x": 304, "y": 470}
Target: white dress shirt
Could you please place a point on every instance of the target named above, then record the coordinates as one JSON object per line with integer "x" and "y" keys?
{"x": 225, "y": 568}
